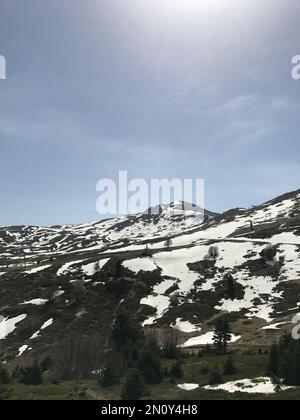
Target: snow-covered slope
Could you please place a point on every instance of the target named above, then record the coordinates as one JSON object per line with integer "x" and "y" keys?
{"x": 79, "y": 276}
{"x": 19, "y": 242}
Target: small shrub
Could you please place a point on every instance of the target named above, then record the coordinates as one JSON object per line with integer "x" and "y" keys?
{"x": 215, "y": 377}
{"x": 133, "y": 387}
{"x": 176, "y": 370}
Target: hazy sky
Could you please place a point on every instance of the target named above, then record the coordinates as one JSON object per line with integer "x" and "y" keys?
{"x": 162, "y": 88}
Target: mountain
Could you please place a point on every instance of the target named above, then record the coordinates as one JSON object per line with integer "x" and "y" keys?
{"x": 174, "y": 272}
{"x": 153, "y": 225}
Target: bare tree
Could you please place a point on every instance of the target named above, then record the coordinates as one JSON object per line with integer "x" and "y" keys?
{"x": 79, "y": 357}
{"x": 213, "y": 252}
{"x": 168, "y": 243}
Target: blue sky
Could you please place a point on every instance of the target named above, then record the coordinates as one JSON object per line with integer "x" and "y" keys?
{"x": 162, "y": 88}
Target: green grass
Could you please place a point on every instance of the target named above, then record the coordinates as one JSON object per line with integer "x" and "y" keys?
{"x": 248, "y": 366}
{"x": 64, "y": 391}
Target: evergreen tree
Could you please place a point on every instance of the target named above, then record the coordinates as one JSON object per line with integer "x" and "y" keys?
{"x": 229, "y": 368}
{"x": 172, "y": 352}
{"x": 273, "y": 365}
{"x": 284, "y": 361}
{"x": 128, "y": 337}
{"x": 149, "y": 364}
{"x": 118, "y": 269}
{"x": 111, "y": 374}
{"x": 230, "y": 287}
{"x": 31, "y": 375}
{"x": 222, "y": 335}
{"x": 268, "y": 253}
{"x": 133, "y": 387}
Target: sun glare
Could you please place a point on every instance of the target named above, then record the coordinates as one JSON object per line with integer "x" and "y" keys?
{"x": 191, "y": 6}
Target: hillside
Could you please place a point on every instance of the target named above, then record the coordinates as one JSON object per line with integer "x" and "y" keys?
{"x": 66, "y": 280}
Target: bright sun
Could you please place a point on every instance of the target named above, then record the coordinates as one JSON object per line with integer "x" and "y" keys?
{"x": 192, "y": 6}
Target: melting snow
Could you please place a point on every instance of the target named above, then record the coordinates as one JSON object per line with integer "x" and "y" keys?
{"x": 160, "y": 303}
{"x": 47, "y": 324}
{"x": 188, "y": 387}
{"x": 38, "y": 302}
{"x": 185, "y": 326}
{"x": 37, "y": 269}
{"x": 275, "y": 326}
{"x": 249, "y": 386}
{"x": 7, "y": 326}
{"x": 22, "y": 350}
{"x": 43, "y": 327}
{"x": 93, "y": 268}
{"x": 261, "y": 288}
{"x": 140, "y": 264}
{"x": 206, "y": 339}
{"x": 66, "y": 267}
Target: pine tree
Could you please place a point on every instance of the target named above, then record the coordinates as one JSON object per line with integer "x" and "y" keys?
{"x": 118, "y": 269}
{"x": 36, "y": 374}
{"x": 230, "y": 287}
{"x": 31, "y": 375}
{"x": 149, "y": 365}
{"x": 273, "y": 365}
{"x": 172, "y": 352}
{"x": 222, "y": 335}
{"x": 128, "y": 337}
{"x": 133, "y": 387}
{"x": 284, "y": 361}
{"x": 111, "y": 375}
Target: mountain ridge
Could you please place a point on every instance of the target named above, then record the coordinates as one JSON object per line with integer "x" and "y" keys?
{"x": 173, "y": 275}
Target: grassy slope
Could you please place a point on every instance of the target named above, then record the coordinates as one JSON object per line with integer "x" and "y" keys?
{"x": 248, "y": 366}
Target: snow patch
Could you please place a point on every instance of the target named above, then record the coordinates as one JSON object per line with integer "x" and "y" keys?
{"x": 7, "y": 326}
{"x": 248, "y": 386}
{"x": 188, "y": 387}
{"x": 185, "y": 326}
{"x": 140, "y": 264}
{"x": 37, "y": 269}
{"x": 206, "y": 339}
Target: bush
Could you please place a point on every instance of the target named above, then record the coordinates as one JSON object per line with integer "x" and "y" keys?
{"x": 45, "y": 364}
{"x": 133, "y": 387}
{"x": 4, "y": 395}
{"x": 204, "y": 370}
{"x": 4, "y": 377}
{"x": 284, "y": 361}
{"x": 229, "y": 368}
{"x": 31, "y": 375}
{"x": 215, "y": 377}
{"x": 172, "y": 352}
{"x": 176, "y": 370}
{"x": 112, "y": 371}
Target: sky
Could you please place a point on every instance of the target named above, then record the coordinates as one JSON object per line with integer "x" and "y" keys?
{"x": 160, "y": 88}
